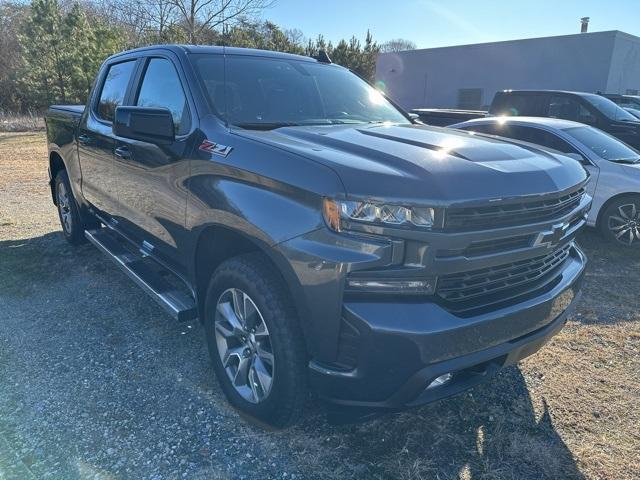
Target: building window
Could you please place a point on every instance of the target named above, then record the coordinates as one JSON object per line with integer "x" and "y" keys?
{"x": 470, "y": 98}
{"x": 632, "y": 91}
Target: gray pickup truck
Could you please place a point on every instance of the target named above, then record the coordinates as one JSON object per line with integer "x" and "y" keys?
{"x": 327, "y": 243}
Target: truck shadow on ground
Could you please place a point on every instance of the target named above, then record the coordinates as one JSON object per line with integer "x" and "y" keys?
{"x": 116, "y": 382}
{"x": 492, "y": 431}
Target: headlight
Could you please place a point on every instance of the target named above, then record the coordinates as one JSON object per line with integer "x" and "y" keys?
{"x": 340, "y": 213}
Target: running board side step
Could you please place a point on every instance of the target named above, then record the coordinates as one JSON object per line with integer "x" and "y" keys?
{"x": 177, "y": 303}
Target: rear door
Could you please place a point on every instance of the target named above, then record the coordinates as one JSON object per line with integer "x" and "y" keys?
{"x": 96, "y": 141}
{"x": 571, "y": 107}
{"x": 151, "y": 177}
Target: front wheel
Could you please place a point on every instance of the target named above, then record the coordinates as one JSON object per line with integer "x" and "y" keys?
{"x": 255, "y": 342}
{"x": 620, "y": 222}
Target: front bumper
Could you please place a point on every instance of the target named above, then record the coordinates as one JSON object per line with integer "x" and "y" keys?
{"x": 403, "y": 346}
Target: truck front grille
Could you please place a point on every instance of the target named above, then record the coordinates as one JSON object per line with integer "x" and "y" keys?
{"x": 511, "y": 214}
{"x": 518, "y": 277}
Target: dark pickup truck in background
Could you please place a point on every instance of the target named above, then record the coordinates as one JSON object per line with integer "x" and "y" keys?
{"x": 588, "y": 108}
{"x": 326, "y": 241}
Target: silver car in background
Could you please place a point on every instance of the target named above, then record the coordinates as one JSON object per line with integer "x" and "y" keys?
{"x": 614, "y": 167}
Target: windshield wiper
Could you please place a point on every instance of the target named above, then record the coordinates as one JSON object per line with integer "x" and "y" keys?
{"x": 626, "y": 160}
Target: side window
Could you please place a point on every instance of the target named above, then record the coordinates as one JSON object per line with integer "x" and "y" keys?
{"x": 542, "y": 138}
{"x": 488, "y": 128}
{"x": 161, "y": 88}
{"x": 513, "y": 104}
{"x": 569, "y": 108}
{"x": 114, "y": 89}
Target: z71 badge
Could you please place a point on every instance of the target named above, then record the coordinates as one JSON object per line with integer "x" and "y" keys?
{"x": 215, "y": 148}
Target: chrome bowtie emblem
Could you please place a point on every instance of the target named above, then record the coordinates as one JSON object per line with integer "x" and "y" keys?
{"x": 551, "y": 238}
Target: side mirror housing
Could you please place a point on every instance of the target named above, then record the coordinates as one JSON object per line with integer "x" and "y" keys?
{"x": 153, "y": 125}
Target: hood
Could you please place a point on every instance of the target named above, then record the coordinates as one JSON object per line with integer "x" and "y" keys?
{"x": 420, "y": 164}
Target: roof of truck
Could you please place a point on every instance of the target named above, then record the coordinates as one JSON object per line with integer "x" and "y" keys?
{"x": 218, "y": 50}
{"x": 541, "y": 91}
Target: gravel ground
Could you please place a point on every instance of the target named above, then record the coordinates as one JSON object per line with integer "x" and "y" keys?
{"x": 96, "y": 381}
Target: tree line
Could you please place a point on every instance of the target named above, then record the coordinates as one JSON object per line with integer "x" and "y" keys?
{"x": 52, "y": 49}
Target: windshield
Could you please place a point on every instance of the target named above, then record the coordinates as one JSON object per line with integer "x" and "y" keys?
{"x": 603, "y": 145}
{"x": 634, "y": 112}
{"x": 608, "y": 108}
{"x": 265, "y": 92}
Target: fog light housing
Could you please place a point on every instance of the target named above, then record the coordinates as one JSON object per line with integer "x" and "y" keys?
{"x": 441, "y": 380}
{"x": 424, "y": 286}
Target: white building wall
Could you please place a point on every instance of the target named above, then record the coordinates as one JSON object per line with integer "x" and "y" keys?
{"x": 433, "y": 77}
{"x": 624, "y": 74}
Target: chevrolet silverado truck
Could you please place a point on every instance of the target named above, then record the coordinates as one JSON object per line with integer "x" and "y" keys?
{"x": 326, "y": 242}
{"x": 588, "y": 108}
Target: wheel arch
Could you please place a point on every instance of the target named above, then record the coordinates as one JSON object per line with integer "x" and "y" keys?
{"x": 217, "y": 243}
{"x": 56, "y": 164}
{"x": 605, "y": 205}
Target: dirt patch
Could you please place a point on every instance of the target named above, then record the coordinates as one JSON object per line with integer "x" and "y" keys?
{"x": 96, "y": 381}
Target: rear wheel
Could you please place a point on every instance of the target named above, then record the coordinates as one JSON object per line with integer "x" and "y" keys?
{"x": 71, "y": 219}
{"x": 620, "y": 222}
{"x": 255, "y": 342}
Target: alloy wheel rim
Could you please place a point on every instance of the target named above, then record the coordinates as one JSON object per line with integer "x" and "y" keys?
{"x": 64, "y": 206}
{"x": 625, "y": 226}
{"x": 244, "y": 345}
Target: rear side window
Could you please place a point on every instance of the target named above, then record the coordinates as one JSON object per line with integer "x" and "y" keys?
{"x": 545, "y": 139}
{"x": 515, "y": 105}
{"x": 114, "y": 88}
{"x": 569, "y": 108}
{"x": 161, "y": 88}
{"x": 488, "y": 128}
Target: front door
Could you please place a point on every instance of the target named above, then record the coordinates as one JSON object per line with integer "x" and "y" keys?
{"x": 96, "y": 140}
{"x": 151, "y": 178}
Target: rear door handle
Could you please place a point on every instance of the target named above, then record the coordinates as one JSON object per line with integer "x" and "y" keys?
{"x": 122, "y": 152}
{"x": 84, "y": 139}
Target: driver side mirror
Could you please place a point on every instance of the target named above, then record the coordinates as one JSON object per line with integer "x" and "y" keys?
{"x": 153, "y": 125}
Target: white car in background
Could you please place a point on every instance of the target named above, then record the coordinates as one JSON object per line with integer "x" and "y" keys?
{"x": 614, "y": 167}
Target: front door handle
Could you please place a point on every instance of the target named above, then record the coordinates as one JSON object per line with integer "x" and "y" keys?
{"x": 84, "y": 139}
{"x": 122, "y": 152}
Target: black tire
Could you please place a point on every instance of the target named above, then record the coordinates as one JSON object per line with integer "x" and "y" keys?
{"x": 254, "y": 275}
{"x": 71, "y": 219}
{"x": 620, "y": 222}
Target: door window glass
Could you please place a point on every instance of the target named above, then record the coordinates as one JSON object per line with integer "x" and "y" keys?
{"x": 569, "y": 108}
{"x": 513, "y": 104}
{"x": 542, "y": 138}
{"x": 161, "y": 88}
{"x": 114, "y": 89}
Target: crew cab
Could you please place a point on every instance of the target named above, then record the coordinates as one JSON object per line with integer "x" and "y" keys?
{"x": 588, "y": 108}
{"x": 327, "y": 242}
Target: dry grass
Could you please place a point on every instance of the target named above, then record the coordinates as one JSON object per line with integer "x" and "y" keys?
{"x": 21, "y": 122}
{"x": 571, "y": 411}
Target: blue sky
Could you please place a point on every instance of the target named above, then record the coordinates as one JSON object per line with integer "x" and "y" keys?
{"x": 437, "y": 23}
